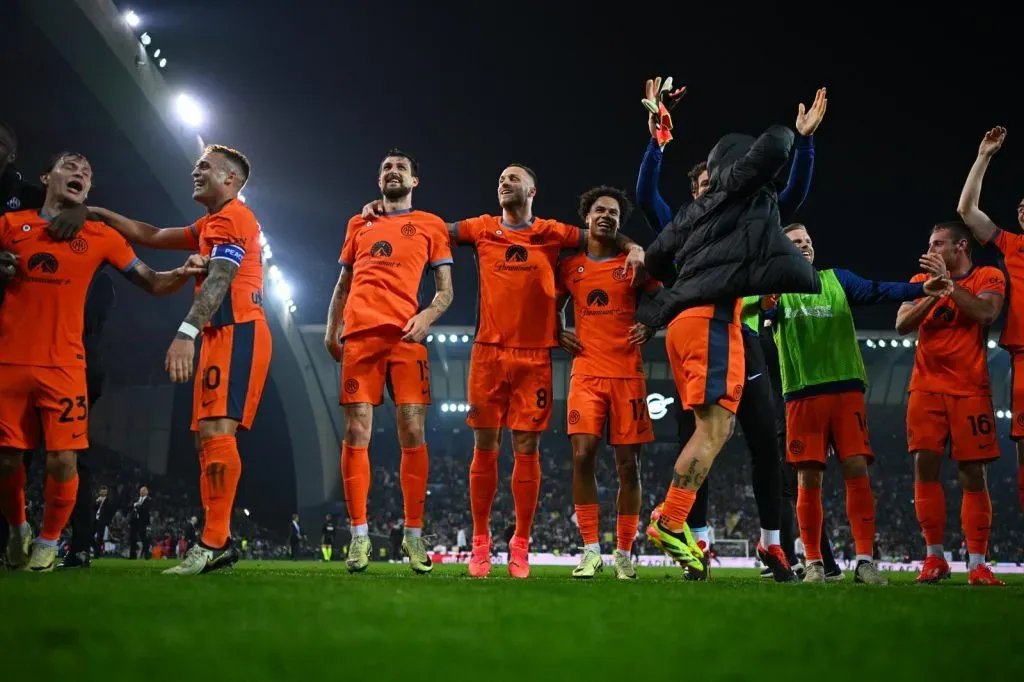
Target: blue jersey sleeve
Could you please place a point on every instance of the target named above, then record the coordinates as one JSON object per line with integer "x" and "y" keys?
{"x": 860, "y": 291}
{"x": 648, "y": 198}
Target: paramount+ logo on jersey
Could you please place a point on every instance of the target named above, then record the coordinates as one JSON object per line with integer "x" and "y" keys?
{"x": 597, "y": 304}
{"x": 517, "y": 259}
{"x": 380, "y": 254}
{"x": 42, "y": 267}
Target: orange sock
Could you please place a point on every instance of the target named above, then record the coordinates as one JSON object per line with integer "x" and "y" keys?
{"x": 58, "y": 503}
{"x": 222, "y": 473}
{"x": 483, "y": 486}
{"x": 587, "y": 520}
{"x": 525, "y": 491}
{"x": 860, "y": 510}
{"x": 413, "y": 476}
{"x": 625, "y": 531}
{"x": 12, "y": 497}
{"x": 204, "y": 493}
{"x": 809, "y": 516}
{"x": 355, "y": 478}
{"x": 678, "y": 503}
{"x": 976, "y": 520}
{"x": 930, "y": 503}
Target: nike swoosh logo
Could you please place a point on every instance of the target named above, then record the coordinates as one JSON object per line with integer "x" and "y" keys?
{"x": 18, "y": 241}
{"x": 575, "y": 281}
{"x": 537, "y": 419}
{"x": 77, "y": 435}
{"x": 751, "y": 378}
{"x": 209, "y": 402}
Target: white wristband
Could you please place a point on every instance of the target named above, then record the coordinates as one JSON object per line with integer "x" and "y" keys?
{"x": 188, "y": 330}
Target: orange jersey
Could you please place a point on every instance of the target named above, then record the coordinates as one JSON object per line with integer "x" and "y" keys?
{"x": 232, "y": 234}
{"x": 388, "y": 256}
{"x": 517, "y": 278}
{"x": 1011, "y": 245}
{"x": 951, "y": 355}
{"x": 604, "y": 303}
{"x": 43, "y": 314}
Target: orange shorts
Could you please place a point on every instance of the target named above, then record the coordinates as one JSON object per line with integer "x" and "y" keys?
{"x": 707, "y": 361}
{"x": 377, "y": 358}
{"x": 1017, "y": 394}
{"x": 233, "y": 365}
{"x": 618, "y": 404}
{"x": 509, "y": 387}
{"x": 43, "y": 404}
{"x": 838, "y": 420}
{"x": 933, "y": 419}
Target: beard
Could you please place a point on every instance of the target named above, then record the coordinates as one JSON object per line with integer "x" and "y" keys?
{"x": 396, "y": 193}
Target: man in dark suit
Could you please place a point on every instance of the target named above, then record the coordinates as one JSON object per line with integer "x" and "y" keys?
{"x": 295, "y": 536}
{"x": 138, "y": 525}
{"x": 103, "y": 514}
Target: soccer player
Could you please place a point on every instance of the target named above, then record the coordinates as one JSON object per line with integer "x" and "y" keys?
{"x": 735, "y": 221}
{"x": 510, "y": 364}
{"x": 327, "y": 537}
{"x": 1011, "y": 245}
{"x": 823, "y": 382}
{"x": 42, "y": 359}
{"x": 236, "y": 345}
{"x": 375, "y": 329}
{"x": 607, "y": 389}
{"x": 951, "y": 399}
{"x": 758, "y": 402}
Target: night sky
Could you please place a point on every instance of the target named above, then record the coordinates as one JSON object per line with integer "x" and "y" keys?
{"x": 315, "y": 92}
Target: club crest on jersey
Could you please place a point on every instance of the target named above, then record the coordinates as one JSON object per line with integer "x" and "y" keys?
{"x": 79, "y": 245}
{"x": 619, "y": 274}
{"x": 14, "y": 203}
{"x": 408, "y": 230}
{"x": 537, "y": 239}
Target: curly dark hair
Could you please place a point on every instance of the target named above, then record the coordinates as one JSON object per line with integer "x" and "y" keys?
{"x": 588, "y": 198}
{"x": 694, "y": 175}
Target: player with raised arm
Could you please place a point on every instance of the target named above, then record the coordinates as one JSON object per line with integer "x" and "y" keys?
{"x": 951, "y": 398}
{"x": 510, "y": 364}
{"x": 736, "y": 221}
{"x": 758, "y": 402}
{"x": 236, "y": 345}
{"x": 607, "y": 389}
{"x": 823, "y": 383}
{"x": 1011, "y": 245}
{"x": 375, "y": 329}
{"x": 42, "y": 357}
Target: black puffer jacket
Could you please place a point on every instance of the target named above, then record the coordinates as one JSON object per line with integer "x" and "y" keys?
{"x": 729, "y": 243}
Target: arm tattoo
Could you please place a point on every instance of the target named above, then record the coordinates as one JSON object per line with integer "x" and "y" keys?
{"x": 411, "y": 411}
{"x": 137, "y": 276}
{"x": 340, "y": 297}
{"x": 358, "y": 411}
{"x": 443, "y": 295}
{"x": 212, "y": 292}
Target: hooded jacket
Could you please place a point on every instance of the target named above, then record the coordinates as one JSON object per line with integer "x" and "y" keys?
{"x": 729, "y": 243}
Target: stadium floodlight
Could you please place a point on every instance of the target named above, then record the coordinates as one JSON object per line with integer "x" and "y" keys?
{"x": 441, "y": 338}
{"x": 906, "y": 343}
{"x": 189, "y": 111}
{"x": 241, "y": 197}
{"x": 274, "y": 273}
{"x": 245, "y": 511}
{"x": 162, "y": 63}
{"x": 283, "y": 290}
{"x": 292, "y": 308}
{"x": 430, "y": 337}
{"x": 465, "y": 338}
{"x": 157, "y": 53}
{"x": 145, "y": 39}
{"x": 263, "y": 236}
{"x": 267, "y": 253}
{"x": 132, "y": 19}
{"x": 444, "y": 407}
{"x": 991, "y": 344}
